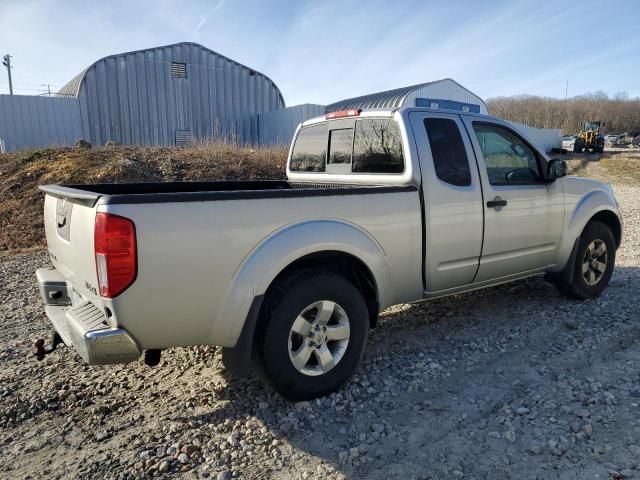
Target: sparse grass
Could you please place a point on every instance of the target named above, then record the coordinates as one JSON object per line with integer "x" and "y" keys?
{"x": 20, "y": 174}
{"x": 620, "y": 167}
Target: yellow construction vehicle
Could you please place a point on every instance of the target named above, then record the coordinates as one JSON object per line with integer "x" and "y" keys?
{"x": 589, "y": 138}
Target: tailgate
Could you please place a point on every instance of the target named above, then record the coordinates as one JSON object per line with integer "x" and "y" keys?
{"x": 69, "y": 219}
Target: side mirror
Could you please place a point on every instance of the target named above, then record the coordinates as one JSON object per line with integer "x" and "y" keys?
{"x": 556, "y": 168}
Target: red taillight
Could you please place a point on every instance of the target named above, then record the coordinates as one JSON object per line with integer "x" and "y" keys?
{"x": 115, "y": 248}
{"x": 342, "y": 113}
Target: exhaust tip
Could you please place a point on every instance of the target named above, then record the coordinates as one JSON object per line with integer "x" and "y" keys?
{"x": 152, "y": 357}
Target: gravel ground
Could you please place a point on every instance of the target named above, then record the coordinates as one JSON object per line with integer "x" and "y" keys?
{"x": 511, "y": 382}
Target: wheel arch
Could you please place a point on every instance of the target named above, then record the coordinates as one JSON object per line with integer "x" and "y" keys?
{"x": 597, "y": 205}
{"x": 344, "y": 264}
{"x": 611, "y": 220}
{"x": 334, "y": 245}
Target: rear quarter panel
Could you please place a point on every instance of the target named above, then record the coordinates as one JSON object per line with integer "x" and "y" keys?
{"x": 191, "y": 255}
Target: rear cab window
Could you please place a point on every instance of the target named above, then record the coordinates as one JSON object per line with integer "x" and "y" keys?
{"x": 368, "y": 145}
{"x": 310, "y": 149}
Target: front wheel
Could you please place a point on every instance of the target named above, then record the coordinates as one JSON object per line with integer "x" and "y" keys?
{"x": 311, "y": 336}
{"x": 593, "y": 263}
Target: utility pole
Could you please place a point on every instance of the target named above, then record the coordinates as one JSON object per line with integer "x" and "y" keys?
{"x": 6, "y": 61}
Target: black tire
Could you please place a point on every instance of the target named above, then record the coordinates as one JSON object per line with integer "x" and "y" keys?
{"x": 283, "y": 305}
{"x": 599, "y": 149}
{"x": 574, "y": 283}
{"x": 579, "y": 145}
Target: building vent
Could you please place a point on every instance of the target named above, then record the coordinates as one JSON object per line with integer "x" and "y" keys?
{"x": 183, "y": 138}
{"x": 178, "y": 70}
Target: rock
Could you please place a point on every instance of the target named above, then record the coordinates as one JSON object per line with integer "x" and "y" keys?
{"x": 354, "y": 453}
{"x": 189, "y": 449}
{"x": 286, "y": 427}
{"x": 343, "y": 457}
{"x": 587, "y": 429}
{"x": 457, "y": 474}
{"x": 83, "y": 144}
{"x": 575, "y": 427}
{"x": 183, "y": 458}
{"x": 377, "y": 427}
{"x": 494, "y": 434}
{"x": 103, "y": 435}
{"x": 224, "y": 475}
{"x": 306, "y": 474}
{"x": 635, "y": 450}
{"x": 582, "y": 413}
{"x": 164, "y": 466}
{"x": 570, "y": 324}
{"x": 510, "y": 435}
{"x": 522, "y": 410}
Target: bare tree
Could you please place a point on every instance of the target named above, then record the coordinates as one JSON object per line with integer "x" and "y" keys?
{"x": 620, "y": 113}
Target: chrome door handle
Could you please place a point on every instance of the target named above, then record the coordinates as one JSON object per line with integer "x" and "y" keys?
{"x": 497, "y": 202}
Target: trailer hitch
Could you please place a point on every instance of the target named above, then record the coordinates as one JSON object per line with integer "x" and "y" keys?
{"x": 39, "y": 348}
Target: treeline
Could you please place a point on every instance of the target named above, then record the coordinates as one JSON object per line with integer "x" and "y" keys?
{"x": 621, "y": 114}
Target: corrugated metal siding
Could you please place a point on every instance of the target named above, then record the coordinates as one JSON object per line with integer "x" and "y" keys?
{"x": 31, "y": 122}
{"x": 132, "y": 97}
{"x": 406, "y": 96}
{"x": 277, "y": 127}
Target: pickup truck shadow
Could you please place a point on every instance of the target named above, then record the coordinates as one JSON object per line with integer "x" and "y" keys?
{"x": 435, "y": 378}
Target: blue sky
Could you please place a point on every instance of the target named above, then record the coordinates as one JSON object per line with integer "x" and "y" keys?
{"x": 322, "y": 51}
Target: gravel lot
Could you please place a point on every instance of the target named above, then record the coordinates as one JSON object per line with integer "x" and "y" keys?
{"x": 511, "y": 382}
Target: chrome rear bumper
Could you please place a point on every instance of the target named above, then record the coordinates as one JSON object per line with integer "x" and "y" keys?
{"x": 84, "y": 326}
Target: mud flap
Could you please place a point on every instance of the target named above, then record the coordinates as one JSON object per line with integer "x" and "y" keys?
{"x": 237, "y": 360}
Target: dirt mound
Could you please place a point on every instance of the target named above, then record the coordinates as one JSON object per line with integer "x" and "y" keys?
{"x": 20, "y": 174}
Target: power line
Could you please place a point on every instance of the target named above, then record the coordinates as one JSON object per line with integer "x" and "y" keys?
{"x": 32, "y": 84}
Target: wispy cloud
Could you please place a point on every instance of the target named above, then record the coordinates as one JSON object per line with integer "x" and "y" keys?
{"x": 196, "y": 31}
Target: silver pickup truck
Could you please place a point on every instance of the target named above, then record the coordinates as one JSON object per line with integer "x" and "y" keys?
{"x": 381, "y": 207}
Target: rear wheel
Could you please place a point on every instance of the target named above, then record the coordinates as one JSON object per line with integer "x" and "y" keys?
{"x": 593, "y": 263}
{"x": 314, "y": 326}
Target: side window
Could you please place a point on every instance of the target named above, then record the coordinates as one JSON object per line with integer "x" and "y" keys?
{"x": 509, "y": 160}
{"x": 377, "y": 147}
{"x": 310, "y": 150}
{"x": 448, "y": 151}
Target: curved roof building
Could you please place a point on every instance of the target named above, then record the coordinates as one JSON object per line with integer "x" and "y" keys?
{"x": 170, "y": 95}
{"x": 446, "y": 93}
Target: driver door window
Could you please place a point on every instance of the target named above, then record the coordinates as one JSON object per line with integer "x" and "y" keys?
{"x": 507, "y": 158}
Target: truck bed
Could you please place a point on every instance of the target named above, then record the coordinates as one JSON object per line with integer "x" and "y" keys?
{"x": 206, "y": 249}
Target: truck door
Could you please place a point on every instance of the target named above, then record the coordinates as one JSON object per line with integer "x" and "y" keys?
{"x": 523, "y": 215}
{"x": 452, "y": 200}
